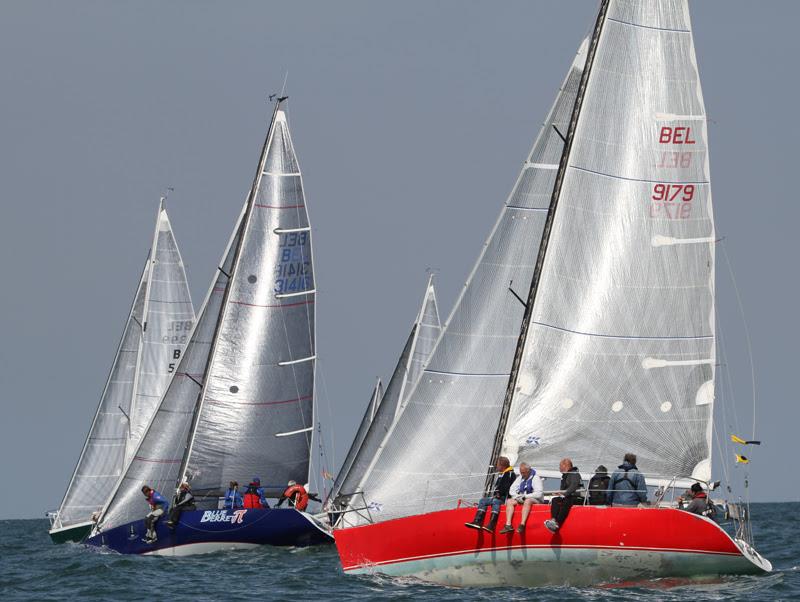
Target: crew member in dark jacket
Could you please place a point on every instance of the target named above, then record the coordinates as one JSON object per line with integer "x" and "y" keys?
{"x": 598, "y": 486}
{"x": 502, "y": 483}
{"x": 183, "y": 501}
{"x": 560, "y": 505}
{"x": 627, "y": 486}
{"x": 700, "y": 503}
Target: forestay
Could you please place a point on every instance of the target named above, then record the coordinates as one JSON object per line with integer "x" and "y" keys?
{"x": 439, "y": 447}
{"x": 620, "y": 350}
{"x": 155, "y": 333}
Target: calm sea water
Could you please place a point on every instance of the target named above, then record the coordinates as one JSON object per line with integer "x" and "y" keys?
{"x": 32, "y": 568}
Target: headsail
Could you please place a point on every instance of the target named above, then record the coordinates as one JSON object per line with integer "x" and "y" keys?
{"x": 157, "y": 460}
{"x": 448, "y": 424}
{"x": 620, "y": 352}
{"x": 156, "y": 331}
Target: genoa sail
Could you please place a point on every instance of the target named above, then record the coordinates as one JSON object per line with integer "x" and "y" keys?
{"x": 448, "y": 421}
{"x": 155, "y": 334}
{"x": 620, "y": 349}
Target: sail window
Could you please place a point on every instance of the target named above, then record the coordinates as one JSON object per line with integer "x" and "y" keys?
{"x": 234, "y": 389}
{"x": 617, "y": 406}
{"x": 567, "y": 403}
{"x": 252, "y": 279}
{"x": 666, "y": 406}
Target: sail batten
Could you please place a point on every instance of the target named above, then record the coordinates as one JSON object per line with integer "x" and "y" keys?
{"x": 448, "y": 424}
{"x": 620, "y": 350}
{"x": 140, "y": 372}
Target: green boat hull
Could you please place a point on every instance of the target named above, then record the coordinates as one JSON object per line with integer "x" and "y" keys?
{"x": 76, "y": 533}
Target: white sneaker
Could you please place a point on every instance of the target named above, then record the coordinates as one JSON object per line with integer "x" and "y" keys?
{"x": 551, "y": 525}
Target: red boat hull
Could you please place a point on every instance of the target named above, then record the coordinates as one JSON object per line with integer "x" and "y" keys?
{"x": 595, "y": 545}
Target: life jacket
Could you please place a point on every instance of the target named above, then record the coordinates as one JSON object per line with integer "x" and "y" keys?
{"x": 625, "y": 477}
{"x": 526, "y": 486}
{"x": 598, "y": 485}
{"x": 252, "y": 500}
{"x": 297, "y": 495}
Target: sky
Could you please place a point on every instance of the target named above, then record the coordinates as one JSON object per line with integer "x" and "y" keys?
{"x": 410, "y": 121}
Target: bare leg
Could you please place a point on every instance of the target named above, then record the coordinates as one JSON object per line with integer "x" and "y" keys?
{"x": 510, "y": 504}
{"x": 526, "y": 510}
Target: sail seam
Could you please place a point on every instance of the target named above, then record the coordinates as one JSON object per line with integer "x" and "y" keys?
{"x": 607, "y": 175}
{"x": 648, "y": 26}
{"x": 632, "y": 337}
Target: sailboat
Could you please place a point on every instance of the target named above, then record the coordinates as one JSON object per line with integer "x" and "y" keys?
{"x": 154, "y": 338}
{"x": 241, "y": 400}
{"x": 586, "y": 330}
{"x": 385, "y": 408}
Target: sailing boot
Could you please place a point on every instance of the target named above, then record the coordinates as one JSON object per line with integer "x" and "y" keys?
{"x": 477, "y": 522}
{"x": 490, "y": 526}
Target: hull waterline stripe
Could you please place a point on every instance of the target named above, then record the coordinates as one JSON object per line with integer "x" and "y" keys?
{"x": 531, "y": 547}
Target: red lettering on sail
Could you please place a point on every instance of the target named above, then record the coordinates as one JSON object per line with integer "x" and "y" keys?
{"x": 676, "y": 135}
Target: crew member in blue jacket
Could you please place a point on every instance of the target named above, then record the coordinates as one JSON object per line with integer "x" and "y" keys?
{"x": 627, "y": 486}
{"x": 233, "y": 499}
{"x": 158, "y": 506}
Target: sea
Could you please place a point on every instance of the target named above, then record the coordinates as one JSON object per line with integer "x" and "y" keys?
{"x": 33, "y": 568}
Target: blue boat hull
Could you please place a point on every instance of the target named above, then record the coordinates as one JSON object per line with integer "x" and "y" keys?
{"x": 203, "y": 531}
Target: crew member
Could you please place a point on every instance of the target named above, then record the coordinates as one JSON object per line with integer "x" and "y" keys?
{"x": 183, "y": 501}
{"x": 563, "y": 501}
{"x": 527, "y": 490}
{"x": 297, "y": 496}
{"x": 158, "y": 506}
{"x": 233, "y": 499}
{"x": 254, "y": 496}
{"x": 502, "y": 484}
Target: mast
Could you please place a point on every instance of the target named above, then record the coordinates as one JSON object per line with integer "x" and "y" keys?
{"x": 237, "y": 253}
{"x": 537, "y": 272}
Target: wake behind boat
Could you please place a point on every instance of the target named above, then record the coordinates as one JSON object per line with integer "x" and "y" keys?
{"x": 611, "y": 354}
{"x": 241, "y": 402}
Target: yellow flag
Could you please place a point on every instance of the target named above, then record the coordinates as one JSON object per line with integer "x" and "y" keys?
{"x": 742, "y": 459}
{"x": 736, "y": 439}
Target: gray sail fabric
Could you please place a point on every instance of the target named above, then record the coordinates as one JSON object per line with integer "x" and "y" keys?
{"x": 428, "y": 330}
{"x": 157, "y": 460}
{"x": 366, "y": 420}
{"x": 258, "y": 396}
{"x": 168, "y": 320}
{"x": 102, "y": 459}
{"x": 449, "y": 421}
{"x": 620, "y": 353}
{"x": 407, "y": 372}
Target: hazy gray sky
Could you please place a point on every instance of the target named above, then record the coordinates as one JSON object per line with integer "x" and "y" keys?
{"x": 410, "y": 120}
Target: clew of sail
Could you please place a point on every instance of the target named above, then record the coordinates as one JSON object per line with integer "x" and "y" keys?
{"x": 162, "y": 308}
{"x": 157, "y": 459}
{"x": 439, "y": 447}
{"x": 260, "y": 378}
{"x": 620, "y": 352}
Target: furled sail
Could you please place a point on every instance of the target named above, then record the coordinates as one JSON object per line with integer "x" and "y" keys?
{"x": 155, "y": 335}
{"x": 416, "y": 352}
{"x": 355, "y": 446}
{"x": 619, "y": 354}
{"x": 448, "y": 423}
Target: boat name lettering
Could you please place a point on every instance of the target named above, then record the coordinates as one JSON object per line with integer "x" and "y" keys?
{"x": 222, "y": 516}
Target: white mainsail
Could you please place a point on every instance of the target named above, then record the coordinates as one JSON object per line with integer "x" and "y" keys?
{"x": 620, "y": 351}
{"x": 448, "y": 424}
{"x": 155, "y": 335}
{"x": 248, "y": 372}
{"x": 416, "y": 352}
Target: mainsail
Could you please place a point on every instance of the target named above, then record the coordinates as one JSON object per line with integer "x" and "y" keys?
{"x": 363, "y": 427}
{"x": 416, "y": 352}
{"x": 155, "y": 335}
{"x": 619, "y": 352}
{"x": 241, "y": 402}
{"x": 448, "y": 423}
